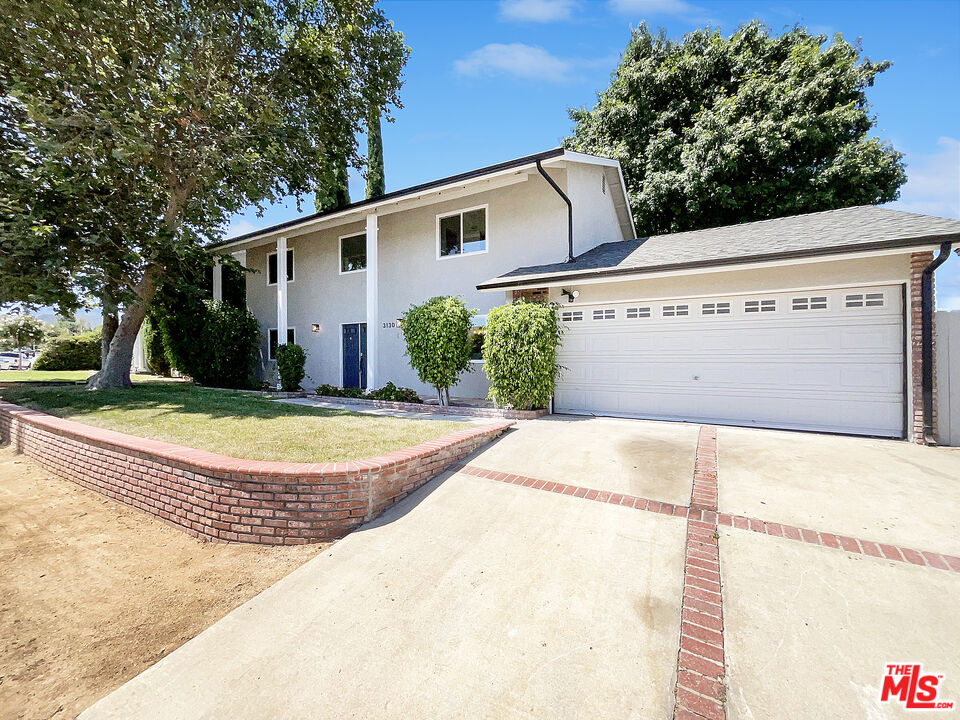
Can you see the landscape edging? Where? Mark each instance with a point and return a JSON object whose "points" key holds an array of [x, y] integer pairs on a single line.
{"points": [[491, 412], [218, 497]]}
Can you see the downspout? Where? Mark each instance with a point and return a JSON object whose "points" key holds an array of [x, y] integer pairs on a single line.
{"points": [[569, 210], [926, 340]]}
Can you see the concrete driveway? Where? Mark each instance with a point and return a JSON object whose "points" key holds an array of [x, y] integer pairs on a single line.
{"points": [[606, 568]]}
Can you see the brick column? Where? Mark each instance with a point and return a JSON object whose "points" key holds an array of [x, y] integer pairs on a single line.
{"points": [[918, 261]]}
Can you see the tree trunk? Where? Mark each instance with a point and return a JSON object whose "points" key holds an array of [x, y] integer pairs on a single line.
{"points": [[115, 371], [110, 323]]}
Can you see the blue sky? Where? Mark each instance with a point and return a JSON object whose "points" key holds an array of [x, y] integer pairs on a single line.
{"points": [[488, 81]]}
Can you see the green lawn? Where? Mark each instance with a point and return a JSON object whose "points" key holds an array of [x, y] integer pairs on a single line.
{"points": [[44, 375], [235, 423]]}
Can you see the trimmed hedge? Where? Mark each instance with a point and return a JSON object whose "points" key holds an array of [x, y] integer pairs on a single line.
{"points": [[520, 354], [77, 352], [291, 359]]}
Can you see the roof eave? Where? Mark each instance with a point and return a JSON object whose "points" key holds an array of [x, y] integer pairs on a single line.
{"points": [[504, 283]]}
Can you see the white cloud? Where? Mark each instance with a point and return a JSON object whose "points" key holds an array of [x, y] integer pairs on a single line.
{"points": [[655, 7], [542, 11], [523, 61], [239, 227], [933, 181]]}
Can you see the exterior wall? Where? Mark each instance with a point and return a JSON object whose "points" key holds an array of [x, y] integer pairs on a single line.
{"points": [[526, 225], [594, 216], [222, 498]]}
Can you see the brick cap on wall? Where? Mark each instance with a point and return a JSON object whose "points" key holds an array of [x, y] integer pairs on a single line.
{"points": [[212, 462]]}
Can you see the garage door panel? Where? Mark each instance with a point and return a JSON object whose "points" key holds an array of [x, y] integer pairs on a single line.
{"points": [[840, 370]]}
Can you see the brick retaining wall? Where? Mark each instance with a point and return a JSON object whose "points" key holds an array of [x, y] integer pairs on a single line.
{"points": [[223, 498]]}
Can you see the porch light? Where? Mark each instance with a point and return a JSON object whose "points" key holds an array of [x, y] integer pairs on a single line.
{"points": [[315, 327], [571, 295]]}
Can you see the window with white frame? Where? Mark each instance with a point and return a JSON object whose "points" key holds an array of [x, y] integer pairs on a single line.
{"points": [[353, 253], [675, 310], [571, 315], [715, 308], [635, 313], [753, 306], [272, 346], [462, 233], [871, 299], [272, 267], [605, 314], [814, 302]]}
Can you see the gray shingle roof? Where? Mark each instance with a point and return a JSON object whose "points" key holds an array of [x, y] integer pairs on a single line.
{"points": [[853, 229]]}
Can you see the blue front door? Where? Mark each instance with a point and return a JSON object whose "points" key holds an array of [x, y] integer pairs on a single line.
{"points": [[355, 355]]}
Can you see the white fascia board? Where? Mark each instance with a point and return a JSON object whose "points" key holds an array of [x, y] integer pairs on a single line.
{"points": [[571, 279]]}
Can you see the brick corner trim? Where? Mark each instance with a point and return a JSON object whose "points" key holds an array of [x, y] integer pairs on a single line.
{"points": [[217, 497]]}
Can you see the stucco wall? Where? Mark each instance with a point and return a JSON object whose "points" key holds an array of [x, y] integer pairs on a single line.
{"points": [[526, 225]]}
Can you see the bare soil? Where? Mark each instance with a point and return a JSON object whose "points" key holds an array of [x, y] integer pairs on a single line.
{"points": [[93, 592]]}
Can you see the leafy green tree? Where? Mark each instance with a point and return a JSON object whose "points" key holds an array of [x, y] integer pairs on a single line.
{"points": [[132, 131], [335, 191], [713, 130], [520, 354], [376, 182], [75, 352], [20, 331], [437, 334]]}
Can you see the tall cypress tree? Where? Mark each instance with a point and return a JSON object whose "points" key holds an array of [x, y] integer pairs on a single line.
{"points": [[335, 193], [375, 178]]}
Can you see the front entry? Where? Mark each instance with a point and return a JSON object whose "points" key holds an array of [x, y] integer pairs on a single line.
{"points": [[355, 355]]}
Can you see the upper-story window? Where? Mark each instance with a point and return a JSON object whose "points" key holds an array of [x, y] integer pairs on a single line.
{"points": [[272, 267], [462, 232], [353, 253]]}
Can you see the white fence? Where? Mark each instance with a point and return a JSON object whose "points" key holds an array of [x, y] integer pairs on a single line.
{"points": [[948, 377]]}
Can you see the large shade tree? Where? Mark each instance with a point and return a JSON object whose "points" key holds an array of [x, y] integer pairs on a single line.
{"points": [[131, 131], [713, 130]]}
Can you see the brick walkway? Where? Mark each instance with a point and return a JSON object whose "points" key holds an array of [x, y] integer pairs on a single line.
{"points": [[700, 691]]}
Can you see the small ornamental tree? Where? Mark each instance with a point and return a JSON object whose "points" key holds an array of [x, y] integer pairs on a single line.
{"points": [[438, 342], [520, 354], [20, 331], [291, 359]]}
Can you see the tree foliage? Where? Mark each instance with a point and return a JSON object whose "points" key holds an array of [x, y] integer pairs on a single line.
{"points": [[291, 360], [130, 132], [713, 130], [20, 331], [437, 336], [376, 182], [520, 354]]}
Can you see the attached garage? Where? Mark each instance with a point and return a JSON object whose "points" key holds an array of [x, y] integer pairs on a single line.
{"points": [[818, 359], [821, 321]]}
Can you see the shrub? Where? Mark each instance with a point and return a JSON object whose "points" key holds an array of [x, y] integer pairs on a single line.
{"points": [[212, 342], [79, 352], [437, 334], [291, 359], [520, 354], [395, 394], [388, 392], [157, 361]]}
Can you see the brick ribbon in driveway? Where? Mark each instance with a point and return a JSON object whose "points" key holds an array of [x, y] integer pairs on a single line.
{"points": [[700, 690]]}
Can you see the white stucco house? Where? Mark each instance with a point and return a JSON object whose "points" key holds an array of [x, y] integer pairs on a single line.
{"points": [[820, 322]]}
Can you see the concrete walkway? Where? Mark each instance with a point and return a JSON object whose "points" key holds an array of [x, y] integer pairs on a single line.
{"points": [[606, 568]]}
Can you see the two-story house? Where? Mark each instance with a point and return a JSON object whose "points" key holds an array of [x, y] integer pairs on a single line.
{"points": [[820, 321]]}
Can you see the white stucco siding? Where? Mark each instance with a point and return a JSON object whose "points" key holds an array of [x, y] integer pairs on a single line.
{"points": [[594, 216], [526, 225]]}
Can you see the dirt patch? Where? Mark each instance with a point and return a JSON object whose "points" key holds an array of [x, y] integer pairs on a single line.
{"points": [[94, 592]]}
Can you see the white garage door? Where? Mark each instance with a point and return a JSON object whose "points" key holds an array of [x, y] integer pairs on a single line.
{"points": [[819, 360]]}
